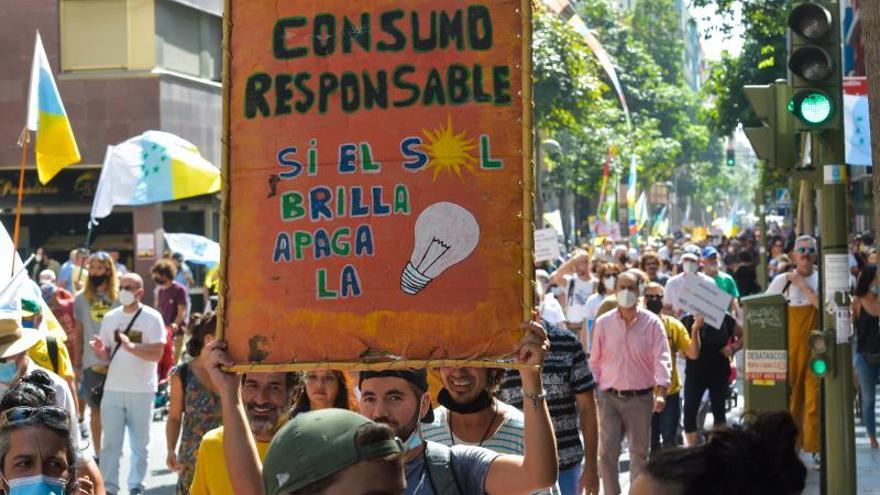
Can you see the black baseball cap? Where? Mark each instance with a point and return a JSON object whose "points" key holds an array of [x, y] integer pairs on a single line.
{"points": [[417, 377]]}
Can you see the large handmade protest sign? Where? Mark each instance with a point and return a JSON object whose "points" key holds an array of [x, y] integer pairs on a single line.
{"points": [[377, 194]]}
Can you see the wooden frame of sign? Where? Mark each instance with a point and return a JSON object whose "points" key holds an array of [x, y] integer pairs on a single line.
{"points": [[377, 183]]}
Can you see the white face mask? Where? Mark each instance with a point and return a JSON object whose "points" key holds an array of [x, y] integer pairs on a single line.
{"points": [[626, 298], [126, 297], [690, 267], [609, 283]]}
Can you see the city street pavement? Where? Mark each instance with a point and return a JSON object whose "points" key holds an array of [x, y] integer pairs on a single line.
{"points": [[161, 481]]}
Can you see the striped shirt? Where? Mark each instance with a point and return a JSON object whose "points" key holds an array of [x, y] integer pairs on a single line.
{"points": [[509, 438], [631, 356], [564, 375]]}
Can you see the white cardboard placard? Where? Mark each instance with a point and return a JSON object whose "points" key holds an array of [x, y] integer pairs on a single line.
{"points": [[701, 296]]}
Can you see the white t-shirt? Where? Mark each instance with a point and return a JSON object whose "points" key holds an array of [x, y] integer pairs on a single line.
{"points": [[129, 373], [794, 294], [581, 290], [673, 290], [551, 310]]}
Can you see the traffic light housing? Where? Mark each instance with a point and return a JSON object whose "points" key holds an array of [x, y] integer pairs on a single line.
{"points": [[815, 64], [822, 349], [775, 141], [731, 157]]}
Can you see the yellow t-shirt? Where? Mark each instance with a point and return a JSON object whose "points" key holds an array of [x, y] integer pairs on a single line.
{"points": [[211, 476], [679, 341], [40, 354]]}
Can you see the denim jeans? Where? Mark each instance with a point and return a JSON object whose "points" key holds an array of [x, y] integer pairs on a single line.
{"points": [[665, 424], [569, 480], [121, 411], [869, 375]]}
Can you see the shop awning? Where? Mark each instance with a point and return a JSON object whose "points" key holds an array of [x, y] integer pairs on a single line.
{"points": [[66, 242]]}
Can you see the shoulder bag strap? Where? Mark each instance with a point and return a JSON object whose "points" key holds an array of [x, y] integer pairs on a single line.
{"points": [[127, 329], [441, 474]]}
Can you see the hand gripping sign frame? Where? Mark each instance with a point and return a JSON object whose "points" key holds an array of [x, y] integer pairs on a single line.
{"points": [[254, 347]]}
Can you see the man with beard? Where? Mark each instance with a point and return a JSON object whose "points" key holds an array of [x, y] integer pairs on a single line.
{"points": [[266, 398], [400, 399]]}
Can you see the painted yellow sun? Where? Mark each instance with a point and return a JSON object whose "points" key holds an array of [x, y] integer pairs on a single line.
{"points": [[449, 152]]}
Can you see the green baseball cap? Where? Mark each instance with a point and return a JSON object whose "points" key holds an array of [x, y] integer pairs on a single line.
{"points": [[316, 445]]}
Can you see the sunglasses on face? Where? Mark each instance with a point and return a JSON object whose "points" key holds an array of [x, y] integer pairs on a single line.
{"points": [[805, 250], [50, 415]]}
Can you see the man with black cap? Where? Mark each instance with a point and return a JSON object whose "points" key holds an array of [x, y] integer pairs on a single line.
{"points": [[399, 399]]}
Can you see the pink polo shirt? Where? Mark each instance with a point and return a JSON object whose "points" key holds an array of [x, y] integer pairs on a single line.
{"points": [[630, 357]]}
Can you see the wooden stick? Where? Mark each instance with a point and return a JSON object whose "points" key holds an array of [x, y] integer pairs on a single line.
{"points": [[23, 142], [391, 365]]}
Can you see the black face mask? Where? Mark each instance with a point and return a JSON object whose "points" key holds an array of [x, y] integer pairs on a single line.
{"points": [[97, 280], [654, 304], [483, 401]]}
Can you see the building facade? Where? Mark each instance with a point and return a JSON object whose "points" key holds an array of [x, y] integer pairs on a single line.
{"points": [[122, 67]]}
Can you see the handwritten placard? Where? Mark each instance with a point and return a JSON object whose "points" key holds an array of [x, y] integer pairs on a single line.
{"points": [[700, 296], [378, 187], [546, 245]]}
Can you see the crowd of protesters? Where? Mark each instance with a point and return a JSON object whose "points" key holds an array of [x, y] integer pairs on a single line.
{"points": [[619, 362]]}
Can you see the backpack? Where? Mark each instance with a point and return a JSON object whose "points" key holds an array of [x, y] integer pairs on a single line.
{"points": [[441, 473]]}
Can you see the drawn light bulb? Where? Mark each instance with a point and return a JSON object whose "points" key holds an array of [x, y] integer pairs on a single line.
{"points": [[445, 234]]}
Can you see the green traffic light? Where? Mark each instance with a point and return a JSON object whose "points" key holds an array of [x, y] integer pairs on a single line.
{"points": [[812, 107], [819, 366]]}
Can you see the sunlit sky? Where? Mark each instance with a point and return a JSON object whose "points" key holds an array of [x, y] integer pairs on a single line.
{"points": [[717, 42]]}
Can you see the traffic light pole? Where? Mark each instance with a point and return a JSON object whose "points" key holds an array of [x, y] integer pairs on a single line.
{"points": [[760, 200], [838, 421]]}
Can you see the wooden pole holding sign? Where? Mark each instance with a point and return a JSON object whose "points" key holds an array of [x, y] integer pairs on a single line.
{"points": [[377, 183]]}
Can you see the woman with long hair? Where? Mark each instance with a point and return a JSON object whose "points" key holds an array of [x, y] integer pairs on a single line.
{"points": [[324, 389], [866, 320], [99, 296], [195, 405]]}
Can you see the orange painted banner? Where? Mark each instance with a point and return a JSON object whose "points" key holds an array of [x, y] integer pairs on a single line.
{"points": [[377, 194]]}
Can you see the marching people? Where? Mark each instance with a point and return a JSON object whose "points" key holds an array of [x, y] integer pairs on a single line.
{"points": [[572, 404], [650, 264], [399, 399], [36, 390], [131, 341], [665, 424], [758, 459], [265, 399], [801, 288], [724, 281], [172, 303], [607, 274], [866, 320], [709, 370], [324, 389], [690, 263], [90, 306], [15, 363], [631, 363], [577, 285], [194, 406]]}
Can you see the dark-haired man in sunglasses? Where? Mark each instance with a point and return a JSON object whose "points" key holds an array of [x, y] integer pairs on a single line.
{"points": [[801, 288]]}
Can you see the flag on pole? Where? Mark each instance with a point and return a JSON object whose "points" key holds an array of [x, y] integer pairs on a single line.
{"points": [[641, 211], [151, 168], [56, 148], [631, 195], [661, 224], [194, 248]]}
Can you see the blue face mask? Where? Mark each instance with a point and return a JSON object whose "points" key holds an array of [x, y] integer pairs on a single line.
{"points": [[8, 372], [36, 485], [875, 289], [413, 442]]}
